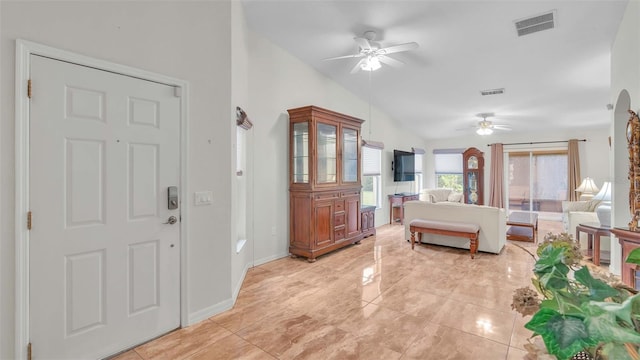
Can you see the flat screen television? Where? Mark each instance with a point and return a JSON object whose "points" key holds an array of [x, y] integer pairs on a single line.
{"points": [[404, 166]]}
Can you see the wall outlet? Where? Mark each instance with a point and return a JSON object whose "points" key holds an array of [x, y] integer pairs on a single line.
{"points": [[202, 198], [273, 230]]}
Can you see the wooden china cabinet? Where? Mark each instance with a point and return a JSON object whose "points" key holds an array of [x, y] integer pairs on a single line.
{"points": [[473, 176], [324, 181]]}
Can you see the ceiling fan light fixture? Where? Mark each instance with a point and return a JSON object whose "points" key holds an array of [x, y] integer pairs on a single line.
{"points": [[371, 64], [484, 131]]}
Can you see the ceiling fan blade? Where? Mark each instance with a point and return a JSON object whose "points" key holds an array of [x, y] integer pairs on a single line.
{"points": [[502, 127], [344, 57], [363, 43], [398, 48], [358, 66], [390, 61]]}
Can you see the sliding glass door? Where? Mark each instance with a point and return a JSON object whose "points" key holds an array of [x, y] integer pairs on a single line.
{"points": [[537, 180]]}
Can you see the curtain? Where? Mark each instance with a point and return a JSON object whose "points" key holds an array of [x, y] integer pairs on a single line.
{"points": [[573, 159], [496, 177]]}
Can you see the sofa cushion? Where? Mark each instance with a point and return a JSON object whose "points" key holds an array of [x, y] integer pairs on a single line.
{"points": [[454, 197]]}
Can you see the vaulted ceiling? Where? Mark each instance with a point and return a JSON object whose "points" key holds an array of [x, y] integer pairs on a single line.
{"points": [[553, 79]]}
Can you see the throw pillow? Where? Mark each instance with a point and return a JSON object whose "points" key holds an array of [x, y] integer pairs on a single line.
{"points": [[454, 197]]}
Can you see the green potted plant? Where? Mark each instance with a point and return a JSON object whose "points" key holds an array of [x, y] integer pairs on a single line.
{"points": [[576, 314]]}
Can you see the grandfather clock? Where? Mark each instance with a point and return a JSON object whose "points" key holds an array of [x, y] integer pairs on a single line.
{"points": [[473, 176]]}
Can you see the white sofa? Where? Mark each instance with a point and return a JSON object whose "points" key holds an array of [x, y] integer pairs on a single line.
{"points": [[440, 195], [492, 221]]}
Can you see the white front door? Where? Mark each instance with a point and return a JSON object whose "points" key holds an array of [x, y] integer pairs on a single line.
{"points": [[104, 267]]}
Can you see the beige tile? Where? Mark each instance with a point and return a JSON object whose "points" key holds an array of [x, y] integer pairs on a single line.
{"points": [[411, 301], [439, 342], [378, 325], [490, 324], [516, 354], [520, 334], [231, 347], [184, 342], [245, 315]]}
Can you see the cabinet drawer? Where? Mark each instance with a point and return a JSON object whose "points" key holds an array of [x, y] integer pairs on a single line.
{"points": [[413, 197], [339, 234], [339, 205], [339, 220], [327, 196], [350, 193]]}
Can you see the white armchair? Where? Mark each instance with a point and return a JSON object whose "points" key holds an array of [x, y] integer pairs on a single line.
{"points": [[579, 212], [440, 195]]}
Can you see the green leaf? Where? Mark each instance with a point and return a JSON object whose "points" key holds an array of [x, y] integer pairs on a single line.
{"points": [[549, 257], [621, 311], [604, 328], [615, 351], [563, 336], [634, 256], [598, 289], [555, 277]]}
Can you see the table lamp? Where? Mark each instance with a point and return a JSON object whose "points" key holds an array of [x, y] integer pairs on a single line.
{"points": [[604, 209], [587, 188]]}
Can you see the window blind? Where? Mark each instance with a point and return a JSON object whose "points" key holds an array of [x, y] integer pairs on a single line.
{"points": [[371, 164], [448, 163]]}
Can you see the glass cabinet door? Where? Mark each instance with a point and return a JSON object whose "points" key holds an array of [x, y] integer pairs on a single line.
{"points": [[300, 152], [327, 152], [349, 155]]}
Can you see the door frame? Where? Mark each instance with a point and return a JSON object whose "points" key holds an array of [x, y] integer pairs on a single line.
{"points": [[24, 50]]}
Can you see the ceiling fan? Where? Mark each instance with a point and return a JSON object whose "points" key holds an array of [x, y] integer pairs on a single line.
{"points": [[486, 127], [373, 54]]}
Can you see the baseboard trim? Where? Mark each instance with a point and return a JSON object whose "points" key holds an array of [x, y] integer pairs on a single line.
{"points": [[209, 311], [269, 258]]}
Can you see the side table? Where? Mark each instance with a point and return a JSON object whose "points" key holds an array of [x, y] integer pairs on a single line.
{"points": [[396, 206], [594, 231]]}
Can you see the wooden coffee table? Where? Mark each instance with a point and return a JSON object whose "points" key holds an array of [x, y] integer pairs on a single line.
{"points": [[524, 226]]}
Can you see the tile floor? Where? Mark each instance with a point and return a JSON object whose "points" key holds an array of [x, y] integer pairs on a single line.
{"points": [[376, 300]]}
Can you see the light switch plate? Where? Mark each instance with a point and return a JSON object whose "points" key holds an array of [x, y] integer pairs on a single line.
{"points": [[203, 198]]}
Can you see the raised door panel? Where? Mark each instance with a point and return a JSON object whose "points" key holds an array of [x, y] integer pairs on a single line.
{"points": [[324, 227], [352, 221], [301, 221]]}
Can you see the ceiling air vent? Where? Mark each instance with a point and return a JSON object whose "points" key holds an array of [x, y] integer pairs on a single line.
{"points": [[492, 92], [537, 23]]}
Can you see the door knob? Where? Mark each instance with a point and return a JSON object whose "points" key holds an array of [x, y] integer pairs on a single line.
{"points": [[171, 220]]}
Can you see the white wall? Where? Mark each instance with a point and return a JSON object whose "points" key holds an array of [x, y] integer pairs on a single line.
{"points": [[185, 40], [594, 153], [625, 75]]}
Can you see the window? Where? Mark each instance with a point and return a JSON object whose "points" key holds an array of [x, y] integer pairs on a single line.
{"points": [[537, 180], [371, 171], [419, 178], [448, 168]]}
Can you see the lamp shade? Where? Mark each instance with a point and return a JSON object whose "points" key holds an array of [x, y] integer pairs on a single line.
{"points": [[605, 192], [588, 186]]}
